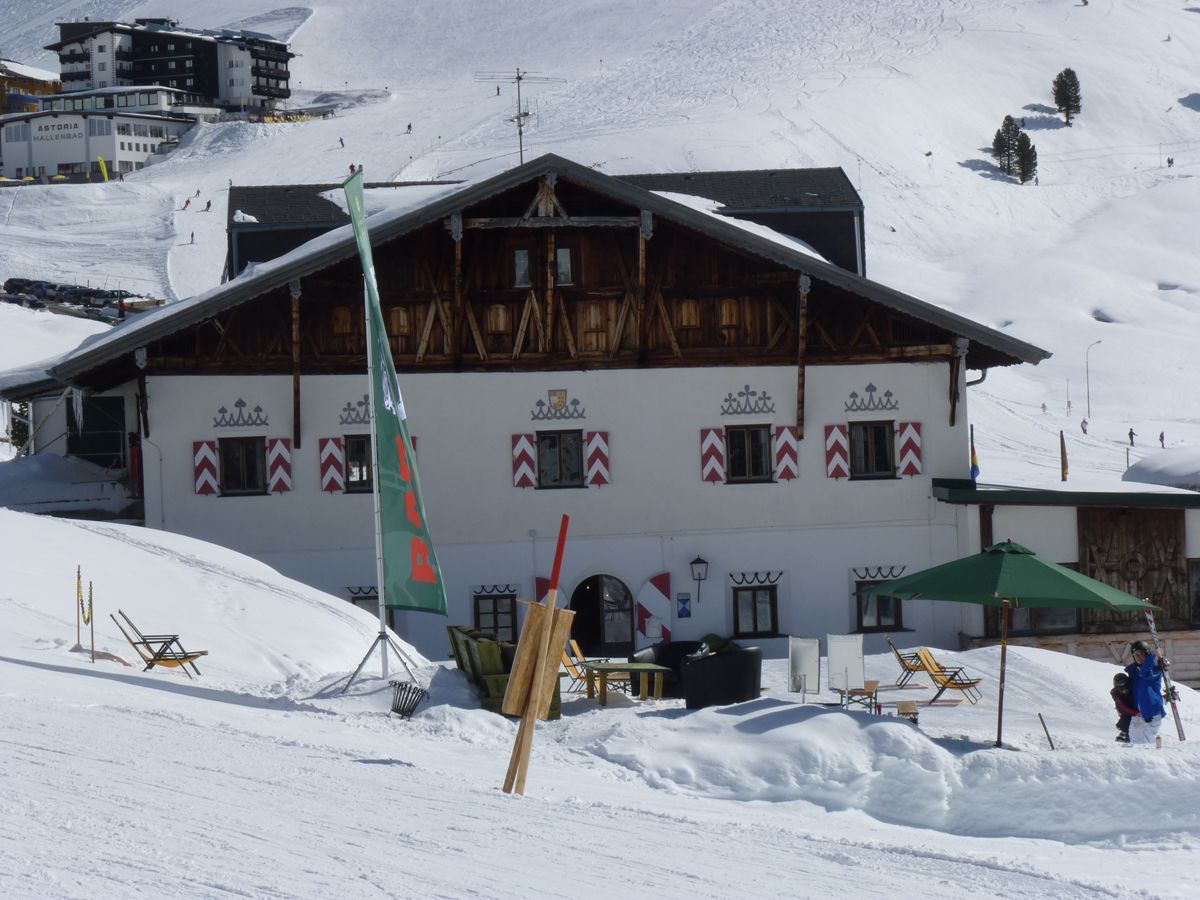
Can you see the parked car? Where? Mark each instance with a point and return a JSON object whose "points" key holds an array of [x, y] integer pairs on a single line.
{"points": [[17, 285]]}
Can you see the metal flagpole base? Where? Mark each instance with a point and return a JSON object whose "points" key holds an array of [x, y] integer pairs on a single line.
{"points": [[382, 638]]}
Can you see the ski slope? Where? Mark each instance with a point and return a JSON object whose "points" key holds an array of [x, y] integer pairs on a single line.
{"points": [[258, 779]]}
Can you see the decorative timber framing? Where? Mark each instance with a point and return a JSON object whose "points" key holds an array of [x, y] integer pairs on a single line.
{"points": [[707, 293]]}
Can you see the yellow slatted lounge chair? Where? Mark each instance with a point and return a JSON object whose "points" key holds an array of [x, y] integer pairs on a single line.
{"points": [[910, 663], [159, 649], [951, 679]]}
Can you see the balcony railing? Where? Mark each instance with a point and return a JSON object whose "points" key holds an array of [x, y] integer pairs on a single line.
{"points": [[262, 90], [85, 75], [126, 55], [269, 54], [268, 72], [75, 56]]}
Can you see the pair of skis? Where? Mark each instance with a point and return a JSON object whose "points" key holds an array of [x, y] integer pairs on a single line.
{"points": [[1168, 688]]}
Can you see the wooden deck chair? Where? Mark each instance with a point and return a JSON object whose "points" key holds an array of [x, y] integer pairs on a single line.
{"points": [[910, 663], [159, 649], [575, 673], [952, 678], [573, 663]]}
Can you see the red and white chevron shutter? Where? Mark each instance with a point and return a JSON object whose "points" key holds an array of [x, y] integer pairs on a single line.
{"points": [[908, 447], [595, 453], [837, 451], [524, 461], [712, 455], [279, 465], [332, 452], [204, 467], [787, 453]]}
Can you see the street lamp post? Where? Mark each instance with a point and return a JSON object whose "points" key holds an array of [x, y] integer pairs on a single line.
{"points": [[1087, 375]]}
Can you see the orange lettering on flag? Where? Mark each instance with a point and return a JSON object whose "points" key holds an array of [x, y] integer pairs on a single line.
{"points": [[421, 569], [403, 458], [410, 507]]}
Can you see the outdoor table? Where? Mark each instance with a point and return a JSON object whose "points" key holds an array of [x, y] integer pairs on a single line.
{"points": [[867, 695], [604, 669]]}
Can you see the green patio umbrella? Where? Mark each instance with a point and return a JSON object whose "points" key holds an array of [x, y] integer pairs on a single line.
{"points": [[1009, 576]]}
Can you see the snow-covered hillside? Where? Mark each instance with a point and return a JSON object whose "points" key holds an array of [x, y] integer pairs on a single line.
{"points": [[904, 95], [257, 779]]}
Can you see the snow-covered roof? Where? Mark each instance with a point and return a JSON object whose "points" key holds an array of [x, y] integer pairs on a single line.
{"points": [[713, 208], [21, 70], [1178, 468]]}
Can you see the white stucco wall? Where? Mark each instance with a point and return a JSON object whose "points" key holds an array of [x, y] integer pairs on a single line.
{"points": [[654, 516], [1049, 531]]}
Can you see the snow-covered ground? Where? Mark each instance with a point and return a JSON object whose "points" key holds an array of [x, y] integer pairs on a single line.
{"points": [[258, 779]]}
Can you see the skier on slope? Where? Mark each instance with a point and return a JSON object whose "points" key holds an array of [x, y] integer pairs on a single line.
{"points": [[1145, 679]]}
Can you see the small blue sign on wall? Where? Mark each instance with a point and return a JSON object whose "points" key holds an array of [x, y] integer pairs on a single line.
{"points": [[684, 606]]}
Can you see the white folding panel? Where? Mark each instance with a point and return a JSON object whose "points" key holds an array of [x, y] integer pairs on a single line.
{"points": [[804, 665], [845, 654]]}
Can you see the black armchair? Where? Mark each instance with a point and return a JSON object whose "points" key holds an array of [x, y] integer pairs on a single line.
{"points": [[722, 678], [673, 655]]}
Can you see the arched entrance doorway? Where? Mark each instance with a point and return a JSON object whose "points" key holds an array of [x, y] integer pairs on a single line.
{"points": [[603, 616]]}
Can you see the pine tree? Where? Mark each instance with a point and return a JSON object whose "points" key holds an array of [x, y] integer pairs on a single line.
{"points": [[1004, 145], [1068, 96], [19, 433], [1026, 158]]}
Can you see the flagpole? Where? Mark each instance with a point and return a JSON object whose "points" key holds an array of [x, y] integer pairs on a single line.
{"points": [[372, 363]]}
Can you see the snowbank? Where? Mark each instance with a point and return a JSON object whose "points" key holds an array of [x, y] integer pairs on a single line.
{"points": [[261, 630]]}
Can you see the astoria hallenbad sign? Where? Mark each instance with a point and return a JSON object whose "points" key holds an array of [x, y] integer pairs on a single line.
{"points": [[57, 131]]}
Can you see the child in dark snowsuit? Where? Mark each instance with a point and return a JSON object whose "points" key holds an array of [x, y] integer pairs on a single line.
{"points": [[1122, 694]]}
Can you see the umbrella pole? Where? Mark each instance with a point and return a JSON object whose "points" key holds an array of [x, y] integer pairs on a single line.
{"points": [[1003, 662]]}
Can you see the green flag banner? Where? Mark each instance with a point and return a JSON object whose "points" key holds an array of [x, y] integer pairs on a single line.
{"points": [[412, 578]]}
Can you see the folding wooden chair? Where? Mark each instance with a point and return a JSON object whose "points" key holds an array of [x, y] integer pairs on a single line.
{"points": [[949, 679], [910, 663], [159, 649], [573, 663]]}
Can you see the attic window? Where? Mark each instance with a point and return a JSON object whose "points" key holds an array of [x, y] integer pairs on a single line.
{"points": [[521, 268], [341, 320], [497, 319], [688, 314], [401, 320]]}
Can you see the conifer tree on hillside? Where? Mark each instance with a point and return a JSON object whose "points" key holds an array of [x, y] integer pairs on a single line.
{"points": [[1026, 158], [1067, 94], [1004, 145]]}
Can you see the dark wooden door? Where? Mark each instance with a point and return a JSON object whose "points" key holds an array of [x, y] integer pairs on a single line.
{"points": [[603, 617], [1141, 551]]}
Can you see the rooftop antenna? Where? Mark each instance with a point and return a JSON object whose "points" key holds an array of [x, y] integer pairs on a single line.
{"points": [[522, 113]]}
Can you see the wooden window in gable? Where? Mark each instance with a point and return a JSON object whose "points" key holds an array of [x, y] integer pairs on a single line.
{"points": [[594, 336], [342, 330], [729, 322], [521, 268], [400, 328], [687, 323], [498, 327]]}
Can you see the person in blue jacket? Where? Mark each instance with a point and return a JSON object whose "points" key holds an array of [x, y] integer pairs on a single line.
{"points": [[1145, 677]]}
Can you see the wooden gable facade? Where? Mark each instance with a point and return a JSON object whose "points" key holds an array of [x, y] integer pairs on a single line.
{"points": [[562, 268]]}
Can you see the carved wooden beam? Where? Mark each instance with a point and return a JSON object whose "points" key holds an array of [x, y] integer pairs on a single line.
{"points": [[550, 222], [532, 310], [479, 344], [551, 271], [226, 338], [566, 327], [661, 306], [804, 285], [294, 289]]}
